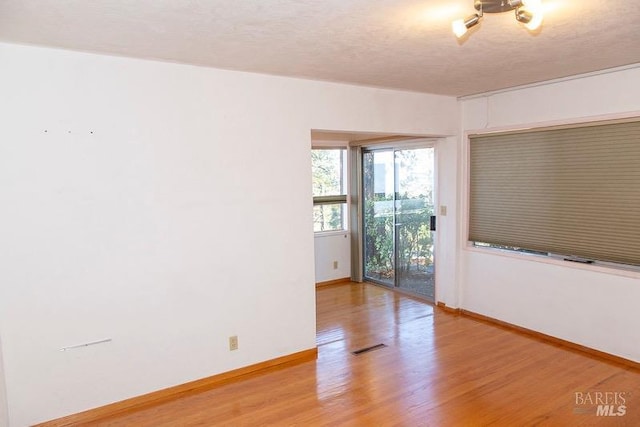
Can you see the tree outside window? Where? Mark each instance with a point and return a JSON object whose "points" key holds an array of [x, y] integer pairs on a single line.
{"points": [[329, 189]]}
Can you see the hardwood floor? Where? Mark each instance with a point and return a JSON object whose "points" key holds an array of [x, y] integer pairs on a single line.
{"points": [[437, 369]]}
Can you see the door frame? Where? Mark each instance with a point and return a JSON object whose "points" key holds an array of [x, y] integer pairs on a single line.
{"points": [[356, 150]]}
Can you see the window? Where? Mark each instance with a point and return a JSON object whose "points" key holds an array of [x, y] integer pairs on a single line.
{"points": [[329, 188], [568, 192]]}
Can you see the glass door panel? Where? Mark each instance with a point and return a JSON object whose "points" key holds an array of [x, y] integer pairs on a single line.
{"points": [[397, 208], [378, 211], [414, 259]]}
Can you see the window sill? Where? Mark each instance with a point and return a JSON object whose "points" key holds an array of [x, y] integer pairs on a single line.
{"points": [[545, 259], [332, 233]]}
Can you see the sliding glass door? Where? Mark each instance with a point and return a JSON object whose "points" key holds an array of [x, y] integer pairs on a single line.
{"points": [[398, 243], [378, 211]]}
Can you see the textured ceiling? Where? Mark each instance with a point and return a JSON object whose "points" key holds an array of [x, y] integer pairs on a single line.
{"points": [[404, 44]]}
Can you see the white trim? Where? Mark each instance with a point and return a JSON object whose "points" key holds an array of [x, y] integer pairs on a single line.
{"points": [[545, 259], [437, 253], [329, 233], [550, 82], [578, 122], [319, 144], [424, 142]]}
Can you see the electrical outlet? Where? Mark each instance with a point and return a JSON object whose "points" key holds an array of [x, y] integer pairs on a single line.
{"points": [[233, 343], [335, 265]]}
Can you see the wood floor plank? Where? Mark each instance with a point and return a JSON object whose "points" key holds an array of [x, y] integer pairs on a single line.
{"points": [[436, 369]]}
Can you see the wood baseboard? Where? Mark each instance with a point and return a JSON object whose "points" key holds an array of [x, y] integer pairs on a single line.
{"points": [[181, 390], [444, 307], [540, 336], [553, 340], [333, 282]]}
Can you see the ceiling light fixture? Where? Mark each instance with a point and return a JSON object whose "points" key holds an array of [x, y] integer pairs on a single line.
{"points": [[528, 12]]}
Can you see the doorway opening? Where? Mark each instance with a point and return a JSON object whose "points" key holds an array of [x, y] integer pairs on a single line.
{"points": [[388, 223]]}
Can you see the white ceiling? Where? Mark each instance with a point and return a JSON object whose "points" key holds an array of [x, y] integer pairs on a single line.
{"points": [[404, 44]]}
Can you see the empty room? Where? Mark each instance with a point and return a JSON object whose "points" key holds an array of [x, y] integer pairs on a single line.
{"points": [[319, 213]]}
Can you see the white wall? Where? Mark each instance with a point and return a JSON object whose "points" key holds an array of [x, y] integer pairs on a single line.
{"points": [[165, 207], [581, 304], [4, 415], [328, 248]]}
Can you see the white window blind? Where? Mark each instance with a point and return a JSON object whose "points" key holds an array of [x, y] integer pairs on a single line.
{"points": [[568, 191]]}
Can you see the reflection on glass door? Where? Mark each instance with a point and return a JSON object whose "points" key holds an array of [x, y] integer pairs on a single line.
{"points": [[397, 209], [413, 210], [378, 192]]}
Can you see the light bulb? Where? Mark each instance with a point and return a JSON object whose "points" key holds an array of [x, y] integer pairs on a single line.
{"points": [[530, 14], [536, 21], [459, 28]]}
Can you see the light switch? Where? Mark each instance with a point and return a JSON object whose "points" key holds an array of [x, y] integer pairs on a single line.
{"points": [[443, 210]]}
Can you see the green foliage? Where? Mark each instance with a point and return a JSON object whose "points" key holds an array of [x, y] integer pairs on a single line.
{"points": [[378, 240], [327, 171], [413, 208], [328, 217], [326, 167]]}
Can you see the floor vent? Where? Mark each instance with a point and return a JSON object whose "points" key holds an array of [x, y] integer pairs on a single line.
{"points": [[367, 349]]}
